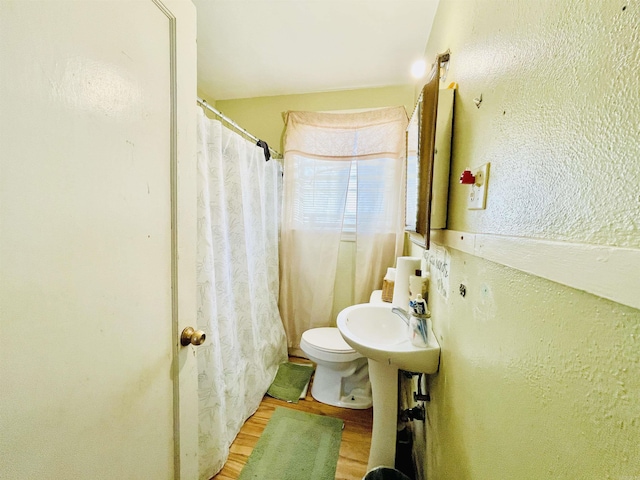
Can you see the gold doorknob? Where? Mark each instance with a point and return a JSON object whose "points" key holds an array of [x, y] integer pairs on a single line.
{"points": [[192, 336]]}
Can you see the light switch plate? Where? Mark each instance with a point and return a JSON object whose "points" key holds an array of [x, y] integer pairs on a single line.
{"points": [[478, 192]]}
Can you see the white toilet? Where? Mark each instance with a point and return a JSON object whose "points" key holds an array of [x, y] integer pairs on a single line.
{"points": [[342, 374]]}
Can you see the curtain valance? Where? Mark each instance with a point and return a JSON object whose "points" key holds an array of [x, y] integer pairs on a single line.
{"points": [[373, 133]]}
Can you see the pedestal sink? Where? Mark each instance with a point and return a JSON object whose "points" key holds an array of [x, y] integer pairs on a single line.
{"points": [[383, 337]]}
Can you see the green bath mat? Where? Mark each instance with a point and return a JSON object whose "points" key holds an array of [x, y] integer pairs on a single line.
{"points": [[295, 446], [290, 381]]}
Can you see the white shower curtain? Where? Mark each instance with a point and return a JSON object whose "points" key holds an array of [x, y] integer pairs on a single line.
{"points": [[238, 217]]}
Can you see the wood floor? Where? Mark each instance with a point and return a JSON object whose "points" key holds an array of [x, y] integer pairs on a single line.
{"points": [[354, 449]]}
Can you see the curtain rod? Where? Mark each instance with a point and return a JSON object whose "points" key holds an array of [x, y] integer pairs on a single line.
{"points": [[274, 153]]}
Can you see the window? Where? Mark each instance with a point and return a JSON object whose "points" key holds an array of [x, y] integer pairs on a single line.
{"points": [[342, 180], [345, 195]]}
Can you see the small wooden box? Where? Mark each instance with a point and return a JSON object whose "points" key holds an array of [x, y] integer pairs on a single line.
{"points": [[387, 290]]}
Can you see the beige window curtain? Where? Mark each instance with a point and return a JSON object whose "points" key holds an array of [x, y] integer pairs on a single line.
{"points": [[343, 181]]}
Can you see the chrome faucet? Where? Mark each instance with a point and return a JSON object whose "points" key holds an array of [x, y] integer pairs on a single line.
{"points": [[403, 314]]}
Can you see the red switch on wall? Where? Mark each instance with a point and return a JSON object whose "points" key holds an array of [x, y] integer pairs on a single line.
{"points": [[467, 178], [477, 180]]}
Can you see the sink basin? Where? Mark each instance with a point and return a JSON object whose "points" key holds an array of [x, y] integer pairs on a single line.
{"points": [[381, 335]]}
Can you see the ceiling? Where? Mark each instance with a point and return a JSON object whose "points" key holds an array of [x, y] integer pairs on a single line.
{"points": [[252, 48]]}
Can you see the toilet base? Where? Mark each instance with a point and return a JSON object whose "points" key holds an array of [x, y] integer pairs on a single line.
{"points": [[331, 387]]}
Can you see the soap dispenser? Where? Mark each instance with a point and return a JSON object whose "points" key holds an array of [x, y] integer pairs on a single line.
{"points": [[418, 284]]}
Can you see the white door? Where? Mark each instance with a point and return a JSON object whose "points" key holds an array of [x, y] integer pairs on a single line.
{"points": [[97, 142]]}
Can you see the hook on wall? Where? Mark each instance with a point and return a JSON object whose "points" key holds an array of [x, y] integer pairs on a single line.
{"points": [[443, 63]]}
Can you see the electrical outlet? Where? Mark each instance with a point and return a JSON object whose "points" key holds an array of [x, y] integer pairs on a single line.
{"points": [[478, 193]]}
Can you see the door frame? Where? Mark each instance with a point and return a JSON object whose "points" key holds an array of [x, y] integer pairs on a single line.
{"points": [[183, 63]]}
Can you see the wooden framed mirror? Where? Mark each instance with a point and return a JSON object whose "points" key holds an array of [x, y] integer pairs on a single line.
{"points": [[428, 159], [411, 187]]}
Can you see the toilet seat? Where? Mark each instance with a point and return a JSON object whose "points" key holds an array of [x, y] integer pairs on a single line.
{"points": [[326, 343]]}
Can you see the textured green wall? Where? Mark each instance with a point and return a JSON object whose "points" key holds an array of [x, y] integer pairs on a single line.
{"points": [[538, 380], [263, 116], [559, 119]]}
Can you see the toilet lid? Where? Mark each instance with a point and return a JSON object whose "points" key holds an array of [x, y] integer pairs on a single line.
{"points": [[327, 339]]}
